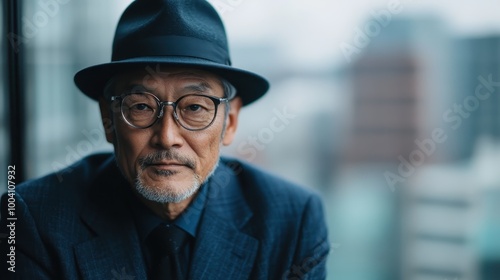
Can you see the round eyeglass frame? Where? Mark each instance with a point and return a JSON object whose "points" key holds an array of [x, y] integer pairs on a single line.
{"points": [[161, 107]]}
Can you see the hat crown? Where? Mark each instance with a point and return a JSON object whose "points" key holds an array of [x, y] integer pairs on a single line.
{"points": [[172, 33], [166, 27]]}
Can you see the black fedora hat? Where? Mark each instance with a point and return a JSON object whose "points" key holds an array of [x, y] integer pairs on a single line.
{"points": [[184, 33]]}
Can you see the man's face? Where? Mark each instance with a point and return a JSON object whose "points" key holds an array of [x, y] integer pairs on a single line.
{"points": [[166, 162]]}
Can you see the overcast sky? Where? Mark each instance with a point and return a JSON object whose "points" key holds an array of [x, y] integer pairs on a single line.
{"points": [[313, 30]]}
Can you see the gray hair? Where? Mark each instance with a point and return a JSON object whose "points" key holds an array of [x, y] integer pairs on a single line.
{"points": [[229, 89]]}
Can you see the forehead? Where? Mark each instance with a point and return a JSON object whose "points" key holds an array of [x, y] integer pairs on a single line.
{"points": [[157, 79]]}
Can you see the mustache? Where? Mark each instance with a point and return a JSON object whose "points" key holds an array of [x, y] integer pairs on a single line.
{"points": [[170, 155]]}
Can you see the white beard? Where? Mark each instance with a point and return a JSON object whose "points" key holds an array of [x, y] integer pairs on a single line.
{"points": [[169, 195]]}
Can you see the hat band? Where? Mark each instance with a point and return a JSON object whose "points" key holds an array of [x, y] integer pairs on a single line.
{"points": [[171, 46]]}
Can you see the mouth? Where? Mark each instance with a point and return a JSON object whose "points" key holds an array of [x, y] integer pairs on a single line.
{"points": [[167, 165]]}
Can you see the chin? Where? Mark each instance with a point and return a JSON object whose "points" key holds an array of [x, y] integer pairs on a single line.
{"points": [[166, 193]]}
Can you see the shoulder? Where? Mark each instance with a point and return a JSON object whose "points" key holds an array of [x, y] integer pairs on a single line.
{"points": [[79, 172], [270, 193], [264, 182], [287, 220], [65, 186]]}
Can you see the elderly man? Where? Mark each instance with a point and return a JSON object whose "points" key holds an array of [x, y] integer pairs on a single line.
{"points": [[164, 205]]}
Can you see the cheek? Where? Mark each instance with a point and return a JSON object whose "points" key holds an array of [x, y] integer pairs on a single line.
{"points": [[128, 147], [207, 147]]}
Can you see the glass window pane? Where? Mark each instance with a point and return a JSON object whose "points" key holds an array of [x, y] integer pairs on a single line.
{"points": [[63, 37]]}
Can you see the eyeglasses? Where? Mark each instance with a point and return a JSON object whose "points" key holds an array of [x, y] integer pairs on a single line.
{"points": [[193, 112]]}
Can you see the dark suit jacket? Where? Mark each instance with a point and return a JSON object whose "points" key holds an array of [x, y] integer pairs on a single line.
{"points": [[76, 225]]}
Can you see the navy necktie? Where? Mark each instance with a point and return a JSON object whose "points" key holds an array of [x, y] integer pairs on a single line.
{"points": [[165, 243]]}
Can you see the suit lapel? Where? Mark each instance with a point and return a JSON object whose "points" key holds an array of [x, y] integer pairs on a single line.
{"points": [[222, 249], [114, 252]]}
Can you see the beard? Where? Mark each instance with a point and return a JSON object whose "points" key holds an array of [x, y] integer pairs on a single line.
{"points": [[168, 192]]}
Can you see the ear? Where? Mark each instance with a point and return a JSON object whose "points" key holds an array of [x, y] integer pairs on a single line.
{"points": [[232, 121], [107, 119]]}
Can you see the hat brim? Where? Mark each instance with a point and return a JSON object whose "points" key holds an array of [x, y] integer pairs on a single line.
{"points": [[249, 86]]}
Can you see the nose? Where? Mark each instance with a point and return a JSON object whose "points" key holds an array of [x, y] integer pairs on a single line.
{"points": [[167, 131]]}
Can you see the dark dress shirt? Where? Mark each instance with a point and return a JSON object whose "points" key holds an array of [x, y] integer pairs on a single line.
{"points": [[146, 221]]}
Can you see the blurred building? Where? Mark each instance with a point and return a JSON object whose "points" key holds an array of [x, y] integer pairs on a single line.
{"points": [[403, 91], [476, 60], [385, 103], [409, 84], [477, 84], [451, 219], [398, 87]]}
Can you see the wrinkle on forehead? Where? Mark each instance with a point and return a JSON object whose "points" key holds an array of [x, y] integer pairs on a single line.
{"points": [[141, 80], [149, 73], [191, 88]]}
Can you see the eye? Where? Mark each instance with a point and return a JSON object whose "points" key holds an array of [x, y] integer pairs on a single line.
{"points": [[193, 107], [140, 107]]}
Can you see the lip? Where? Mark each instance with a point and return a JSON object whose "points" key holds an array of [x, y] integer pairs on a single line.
{"points": [[168, 164]]}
